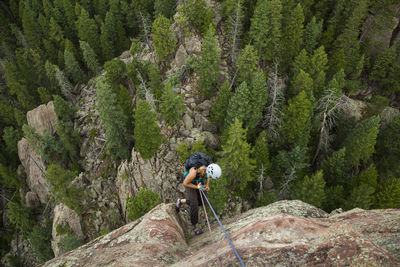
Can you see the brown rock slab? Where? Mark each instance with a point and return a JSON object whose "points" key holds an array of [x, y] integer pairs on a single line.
{"points": [[43, 118], [286, 233], [35, 170]]}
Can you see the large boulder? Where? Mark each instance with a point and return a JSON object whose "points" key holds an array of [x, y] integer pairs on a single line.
{"points": [[159, 174], [35, 170], [43, 118], [64, 218], [180, 58], [286, 233], [378, 29], [156, 239]]}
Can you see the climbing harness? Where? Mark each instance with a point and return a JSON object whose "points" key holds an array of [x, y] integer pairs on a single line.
{"points": [[202, 194]]}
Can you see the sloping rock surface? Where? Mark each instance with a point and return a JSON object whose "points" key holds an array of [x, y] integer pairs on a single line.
{"points": [[286, 233], [43, 118], [35, 170]]}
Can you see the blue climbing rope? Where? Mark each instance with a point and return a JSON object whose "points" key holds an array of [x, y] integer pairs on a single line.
{"points": [[223, 229]]}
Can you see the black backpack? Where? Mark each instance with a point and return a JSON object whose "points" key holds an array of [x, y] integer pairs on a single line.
{"points": [[197, 160]]}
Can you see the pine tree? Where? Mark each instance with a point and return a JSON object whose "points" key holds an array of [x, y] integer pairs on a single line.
{"points": [[334, 168], [114, 121], [235, 159], [101, 7], [125, 102], [360, 144], [31, 28], [258, 102], [70, 138], [109, 37], [69, 12], [296, 125], [239, 104], [90, 58], [259, 26], [301, 62], [247, 64], [165, 8], [56, 34], [368, 176], [147, 132], [11, 137], [63, 109], [172, 106], [267, 29], [88, 31], [164, 41], [310, 189], [388, 195], [54, 73], [196, 13], [302, 81], [208, 68], [386, 69], [292, 35], [360, 197], [312, 35], [72, 68], [155, 82], [261, 154], [119, 9], [348, 39], [388, 149], [62, 188], [115, 73], [220, 106], [318, 67]]}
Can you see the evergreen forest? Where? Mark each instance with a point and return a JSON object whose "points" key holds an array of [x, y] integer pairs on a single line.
{"points": [[308, 109]]}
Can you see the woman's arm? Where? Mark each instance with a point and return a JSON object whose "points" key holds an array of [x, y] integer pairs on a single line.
{"points": [[188, 180]]}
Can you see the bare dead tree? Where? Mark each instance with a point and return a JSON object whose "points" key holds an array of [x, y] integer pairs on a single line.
{"points": [[146, 30], [272, 118], [329, 107], [147, 94], [284, 190], [235, 28]]}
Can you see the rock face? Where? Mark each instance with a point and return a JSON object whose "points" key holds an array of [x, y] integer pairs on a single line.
{"points": [[286, 233], [67, 218], [156, 239], [21, 249], [35, 170], [380, 37], [43, 118]]}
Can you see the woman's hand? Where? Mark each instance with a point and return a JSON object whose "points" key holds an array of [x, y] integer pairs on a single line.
{"points": [[207, 188]]}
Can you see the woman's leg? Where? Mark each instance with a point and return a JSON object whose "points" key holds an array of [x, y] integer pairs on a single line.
{"points": [[192, 201]]}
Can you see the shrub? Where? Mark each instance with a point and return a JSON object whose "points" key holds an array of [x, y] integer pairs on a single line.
{"points": [[40, 240], [70, 242], [144, 201]]}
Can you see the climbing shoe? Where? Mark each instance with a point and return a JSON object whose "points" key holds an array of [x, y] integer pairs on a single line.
{"points": [[178, 205], [198, 231]]}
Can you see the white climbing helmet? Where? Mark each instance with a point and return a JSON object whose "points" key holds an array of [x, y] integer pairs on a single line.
{"points": [[213, 171]]}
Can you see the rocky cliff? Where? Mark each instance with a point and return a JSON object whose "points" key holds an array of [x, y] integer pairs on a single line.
{"points": [[286, 233]]}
